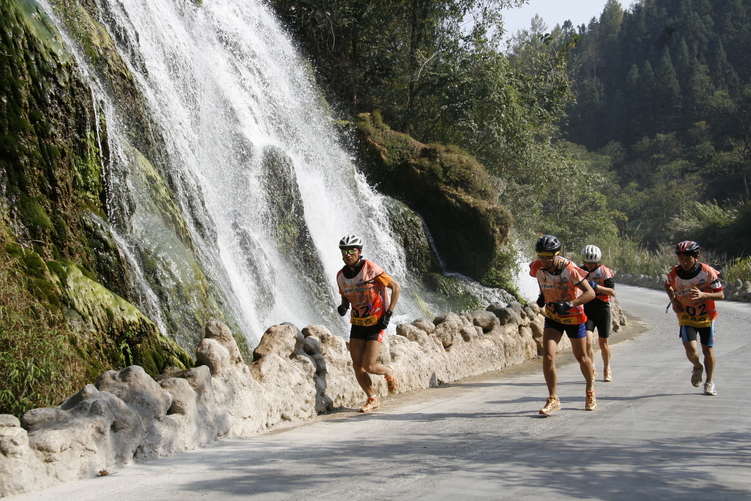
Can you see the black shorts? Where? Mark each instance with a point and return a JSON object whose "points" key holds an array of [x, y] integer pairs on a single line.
{"points": [[366, 333], [598, 318], [705, 334]]}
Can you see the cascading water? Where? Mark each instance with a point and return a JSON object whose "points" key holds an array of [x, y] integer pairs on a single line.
{"points": [[240, 207], [260, 190]]}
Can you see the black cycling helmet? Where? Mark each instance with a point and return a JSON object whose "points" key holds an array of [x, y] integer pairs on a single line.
{"points": [[687, 247], [547, 243]]}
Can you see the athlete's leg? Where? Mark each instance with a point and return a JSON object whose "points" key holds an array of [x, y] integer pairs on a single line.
{"points": [[357, 348], [709, 361], [579, 348], [605, 350], [550, 340], [691, 353], [370, 359], [591, 347]]}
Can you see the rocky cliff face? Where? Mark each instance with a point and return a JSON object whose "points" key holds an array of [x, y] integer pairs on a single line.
{"points": [[454, 194], [54, 223]]}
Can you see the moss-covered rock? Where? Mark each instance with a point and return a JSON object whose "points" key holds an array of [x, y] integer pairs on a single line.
{"points": [[452, 192], [54, 222], [409, 231], [124, 334]]}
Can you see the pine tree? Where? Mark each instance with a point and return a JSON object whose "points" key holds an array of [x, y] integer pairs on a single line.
{"points": [[667, 95]]}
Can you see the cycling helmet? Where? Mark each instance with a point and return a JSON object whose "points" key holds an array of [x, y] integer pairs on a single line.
{"points": [[591, 254], [350, 241], [547, 243], [687, 246]]}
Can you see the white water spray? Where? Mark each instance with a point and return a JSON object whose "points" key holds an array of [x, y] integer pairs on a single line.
{"points": [[229, 94]]}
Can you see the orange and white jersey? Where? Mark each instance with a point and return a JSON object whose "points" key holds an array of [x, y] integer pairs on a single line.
{"points": [[696, 312], [598, 276], [367, 292], [560, 286]]}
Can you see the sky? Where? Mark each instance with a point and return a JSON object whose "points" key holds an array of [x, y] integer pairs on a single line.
{"points": [[553, 12]]}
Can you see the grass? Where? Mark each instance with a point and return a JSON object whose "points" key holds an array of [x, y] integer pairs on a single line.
{"points": [[38, 365]]}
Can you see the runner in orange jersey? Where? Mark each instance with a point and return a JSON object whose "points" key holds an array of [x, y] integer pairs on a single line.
{"points": [[563, 291], [365, 286], [693, 287], [600, 278]]}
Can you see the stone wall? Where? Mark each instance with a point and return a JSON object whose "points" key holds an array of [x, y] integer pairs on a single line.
{"points": [[129, 417]]}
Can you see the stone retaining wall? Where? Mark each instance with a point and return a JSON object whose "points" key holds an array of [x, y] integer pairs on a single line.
{"points": [[129, 417]]}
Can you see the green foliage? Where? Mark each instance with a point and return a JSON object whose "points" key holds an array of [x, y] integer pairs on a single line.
{"points": [[737, 269], [627, 256], [38, 365], [667, 82]]}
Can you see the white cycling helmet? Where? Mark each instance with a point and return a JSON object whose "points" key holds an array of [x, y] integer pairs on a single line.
{"points": [[591, 254], [350, 241]]}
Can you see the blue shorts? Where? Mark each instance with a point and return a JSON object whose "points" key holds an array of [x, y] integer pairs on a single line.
{"points": [[575, 331], [705, 334]]}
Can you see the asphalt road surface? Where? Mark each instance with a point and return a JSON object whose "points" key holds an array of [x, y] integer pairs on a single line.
{"points": [[653, 436]]}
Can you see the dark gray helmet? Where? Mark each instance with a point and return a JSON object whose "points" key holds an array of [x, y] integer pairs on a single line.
{"points": [[688, 247], [547, 243]]}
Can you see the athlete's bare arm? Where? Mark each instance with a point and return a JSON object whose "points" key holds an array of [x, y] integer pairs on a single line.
{"points": [[587, 294], [695, 293], [395, 291]]}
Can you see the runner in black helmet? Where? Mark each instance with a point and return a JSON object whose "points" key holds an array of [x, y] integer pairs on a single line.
{"points": [[693, 287], [365, 286], [563, 291]]}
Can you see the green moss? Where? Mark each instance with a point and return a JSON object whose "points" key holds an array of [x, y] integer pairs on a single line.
{"points": [[129, 337], [33, 214]]}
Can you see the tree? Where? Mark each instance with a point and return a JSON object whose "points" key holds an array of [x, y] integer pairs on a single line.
{"points": [[667, 94]]}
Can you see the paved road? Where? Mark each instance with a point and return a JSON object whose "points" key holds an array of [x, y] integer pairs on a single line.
{"points": [[654, 436]]}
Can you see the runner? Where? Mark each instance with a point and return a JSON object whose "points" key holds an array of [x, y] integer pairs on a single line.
{"points": [[598, 310], [363, 285], [563, 291], [693, 287]]}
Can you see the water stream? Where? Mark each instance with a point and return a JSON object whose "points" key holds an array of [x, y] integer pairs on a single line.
{"points": [[258, 189]]}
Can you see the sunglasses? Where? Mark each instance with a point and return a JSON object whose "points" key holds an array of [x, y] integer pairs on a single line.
{"points": [[543, 255], [688, 254], [349, 252]]}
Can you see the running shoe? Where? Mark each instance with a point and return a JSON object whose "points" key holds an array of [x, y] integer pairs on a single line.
{"points": [[553, 405], [696, 375], [709, 388], [391, 381], [371, 405], [608, 375], [591, 401]]}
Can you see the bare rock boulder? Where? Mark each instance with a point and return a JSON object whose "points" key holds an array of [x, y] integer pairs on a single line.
{"points": [[214, 355], [220, 332]]}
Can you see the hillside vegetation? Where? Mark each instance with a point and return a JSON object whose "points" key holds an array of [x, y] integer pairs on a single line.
{"points": [[631, 132]]}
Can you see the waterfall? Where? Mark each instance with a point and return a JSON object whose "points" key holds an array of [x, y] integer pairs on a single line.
{"points": [[230, 197], [256, 189]]}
